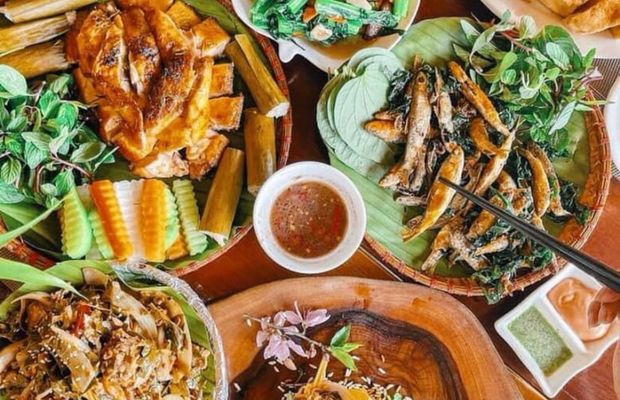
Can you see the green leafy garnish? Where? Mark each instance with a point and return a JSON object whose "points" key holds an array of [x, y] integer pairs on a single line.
{"points": [[45, 147], [541, 77], [341, 349]]}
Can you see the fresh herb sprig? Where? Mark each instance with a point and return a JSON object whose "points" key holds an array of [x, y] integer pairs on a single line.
{"points": [[540, 76], [45, 147], [285, 335]]}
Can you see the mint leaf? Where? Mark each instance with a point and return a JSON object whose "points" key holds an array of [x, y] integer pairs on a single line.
{"points": [[12, 81], [9, 194], [87, 152], [10, 171]]}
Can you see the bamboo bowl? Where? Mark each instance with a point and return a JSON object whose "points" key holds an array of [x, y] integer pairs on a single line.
{"points": [[18, 249], [593, 196]]}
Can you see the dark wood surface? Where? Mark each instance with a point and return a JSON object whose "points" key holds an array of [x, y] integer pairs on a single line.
{"points": [[407, 332], [246, 265]]}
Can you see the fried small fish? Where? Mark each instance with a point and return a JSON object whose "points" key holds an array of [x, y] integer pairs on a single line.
{"points": [[480, 137], [419, 125], [541, 190], [555, 203], [476, 96], [440, 195]]}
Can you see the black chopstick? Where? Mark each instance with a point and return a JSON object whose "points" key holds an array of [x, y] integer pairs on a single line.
{"points": [[603, 273]]}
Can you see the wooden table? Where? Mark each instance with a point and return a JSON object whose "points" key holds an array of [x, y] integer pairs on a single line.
{"points": [[247, 265]]}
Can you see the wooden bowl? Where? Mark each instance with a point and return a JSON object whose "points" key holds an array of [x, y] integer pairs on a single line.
{"points": [[412, 336], [20, 250], [593, 196]]}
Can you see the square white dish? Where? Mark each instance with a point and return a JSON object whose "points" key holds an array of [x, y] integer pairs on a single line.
{"points": [[584, 354], [325, 58]]}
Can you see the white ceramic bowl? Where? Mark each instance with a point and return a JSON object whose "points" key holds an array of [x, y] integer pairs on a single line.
{"points": [[325, 58], [612, 121], [584, 353], [303, 172]]}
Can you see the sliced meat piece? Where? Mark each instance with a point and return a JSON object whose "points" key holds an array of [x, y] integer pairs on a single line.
{"points": [[142, 50], [210, 38], [183, 15], [205, 155], [161, 165], [86, 87], [162, 5], [222, 80], [92, 32], [225, 113], [171, 89]]}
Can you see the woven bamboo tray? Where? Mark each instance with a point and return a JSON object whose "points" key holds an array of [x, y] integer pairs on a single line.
{"points": [[593, 196], [18, 249]]}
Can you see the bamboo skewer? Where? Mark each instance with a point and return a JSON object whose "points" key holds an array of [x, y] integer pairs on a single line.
{"points": [[268, 97], [18, 11]]}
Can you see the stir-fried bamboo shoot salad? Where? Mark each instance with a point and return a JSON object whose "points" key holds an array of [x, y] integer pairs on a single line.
{"points": [[104, 341], [328, 21], [494, 126]]}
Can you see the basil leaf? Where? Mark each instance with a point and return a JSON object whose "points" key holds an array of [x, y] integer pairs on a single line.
{"points": [[345, 358], [38, 139], [563, 117], [64, 182], [33, 155], [12, 81]]}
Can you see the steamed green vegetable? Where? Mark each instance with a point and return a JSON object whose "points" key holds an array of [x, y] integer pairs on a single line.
{"points": [[323, 21]]}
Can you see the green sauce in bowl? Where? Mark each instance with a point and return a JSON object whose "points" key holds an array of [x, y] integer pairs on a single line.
{"points": [[541, 340]]}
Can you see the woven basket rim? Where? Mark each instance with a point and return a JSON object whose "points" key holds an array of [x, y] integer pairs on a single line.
{"points": [[25, 253], [594, 196]]}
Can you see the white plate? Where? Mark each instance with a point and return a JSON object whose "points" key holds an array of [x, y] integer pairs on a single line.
{"points": [[584, 353], [612, 121], [325, 58], [605, 44], [302, 172]]}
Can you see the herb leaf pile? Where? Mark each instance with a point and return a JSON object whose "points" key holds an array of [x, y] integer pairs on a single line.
{"points": [[45, 147], [542, 77]]}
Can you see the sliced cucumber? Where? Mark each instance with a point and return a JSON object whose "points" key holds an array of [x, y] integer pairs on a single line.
{"points": [[188, 214], [103, 245], [75, 226], [172, 220]]}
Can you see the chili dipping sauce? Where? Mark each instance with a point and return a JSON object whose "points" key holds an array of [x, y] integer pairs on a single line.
{"points": [[309, 219]]}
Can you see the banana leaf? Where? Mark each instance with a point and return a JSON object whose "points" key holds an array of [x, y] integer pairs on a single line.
{"points": [[432, 40]]}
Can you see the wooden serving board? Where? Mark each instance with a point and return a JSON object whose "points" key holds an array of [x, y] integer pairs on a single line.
{"points": [[413, 336]]}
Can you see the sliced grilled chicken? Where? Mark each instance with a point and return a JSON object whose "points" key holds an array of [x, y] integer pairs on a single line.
{"points": [[171, 88], [142, 50], [162, 5], [92, 32]]}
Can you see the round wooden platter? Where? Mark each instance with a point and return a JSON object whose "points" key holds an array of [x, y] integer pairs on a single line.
{"points": [[413, 336]]}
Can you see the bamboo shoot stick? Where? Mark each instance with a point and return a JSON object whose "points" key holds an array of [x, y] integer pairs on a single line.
{"points": [[266, 93], [18, 11], [224, 195], [20, 36], [38, 60], [259, 133]]}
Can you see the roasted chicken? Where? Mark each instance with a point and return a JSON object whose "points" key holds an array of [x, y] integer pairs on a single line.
{"points": [[160, 97]]}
